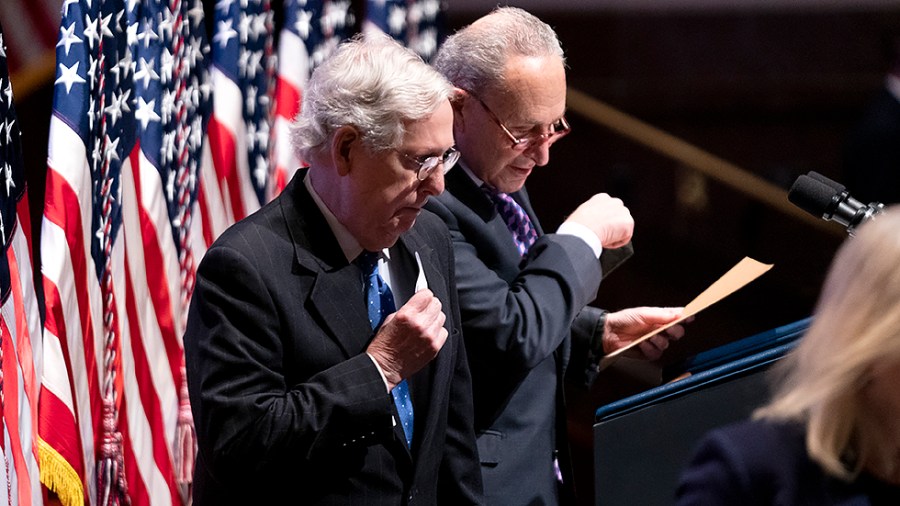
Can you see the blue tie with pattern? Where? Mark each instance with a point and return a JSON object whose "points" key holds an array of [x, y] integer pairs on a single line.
{"points": [[380, 303], [516, 219]]}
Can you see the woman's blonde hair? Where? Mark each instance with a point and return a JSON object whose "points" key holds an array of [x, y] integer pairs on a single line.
{"points": [[856, 327]]}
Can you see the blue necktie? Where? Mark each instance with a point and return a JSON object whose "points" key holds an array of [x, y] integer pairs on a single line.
{"points": [[380, 303], [517, 221]]}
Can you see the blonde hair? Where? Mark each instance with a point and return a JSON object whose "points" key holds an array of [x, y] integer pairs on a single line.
{"points": [[856, 327]]}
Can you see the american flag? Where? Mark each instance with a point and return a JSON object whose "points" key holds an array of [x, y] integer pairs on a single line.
{"points": [[416, 23], [311, 32], [126, 137], [235, 176], [146, 168], [20, 324]]}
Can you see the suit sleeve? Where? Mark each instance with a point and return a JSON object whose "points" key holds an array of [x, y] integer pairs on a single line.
{"points": [[714, 476], [524, 320], [249, 419], [587, 345]]}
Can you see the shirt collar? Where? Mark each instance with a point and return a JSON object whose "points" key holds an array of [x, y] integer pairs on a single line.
{"points": [[478, 181]]}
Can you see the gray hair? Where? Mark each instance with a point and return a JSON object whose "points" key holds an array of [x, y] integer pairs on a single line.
{"points": [[474, 58], [372, 83]]}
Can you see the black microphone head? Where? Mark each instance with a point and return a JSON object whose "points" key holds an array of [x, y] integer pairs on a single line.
{"points": [[838, 187], [814, 196]]}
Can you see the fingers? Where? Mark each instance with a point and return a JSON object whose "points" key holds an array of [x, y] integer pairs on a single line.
{"points": [[650, 350], [673, 333], [420, 300], [608, 218], [630, 324], [410, 338], [660, 315]]}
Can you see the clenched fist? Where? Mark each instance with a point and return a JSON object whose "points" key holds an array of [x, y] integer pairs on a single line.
{"points": [[409, 338], [608, 218]]}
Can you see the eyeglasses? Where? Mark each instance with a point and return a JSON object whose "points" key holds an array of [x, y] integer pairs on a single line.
{"points": [[427, 164], [558, 129]]}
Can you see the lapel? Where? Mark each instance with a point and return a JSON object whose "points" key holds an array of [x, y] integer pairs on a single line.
{"points": [[495, 234], [495, 242], [426, 386], [466, 191], [461, 186], [319, 256]]}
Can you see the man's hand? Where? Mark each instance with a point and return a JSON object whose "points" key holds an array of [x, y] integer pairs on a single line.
{"points": [[607, 217], [623, 327], [409, 338]]}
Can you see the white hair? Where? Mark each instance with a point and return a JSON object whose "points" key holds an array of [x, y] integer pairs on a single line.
{"points": [[475, 57], [372, 83]]}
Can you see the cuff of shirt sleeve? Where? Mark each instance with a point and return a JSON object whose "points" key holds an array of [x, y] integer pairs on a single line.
{"points": [[583, 233], [595, 351], [384, 378]]}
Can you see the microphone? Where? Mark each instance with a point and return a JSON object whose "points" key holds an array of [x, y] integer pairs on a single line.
{"points": [[830, 200]]}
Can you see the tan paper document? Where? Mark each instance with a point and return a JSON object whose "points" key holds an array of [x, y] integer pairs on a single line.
{"points": [[740, 275]]}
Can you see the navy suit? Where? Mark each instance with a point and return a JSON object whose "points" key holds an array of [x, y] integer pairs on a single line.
{"points": [[765, 463], [287, 405], [518, 315]]}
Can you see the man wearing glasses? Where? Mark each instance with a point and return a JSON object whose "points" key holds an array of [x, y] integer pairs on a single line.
{"points": [[323, 348], [524, 294]]}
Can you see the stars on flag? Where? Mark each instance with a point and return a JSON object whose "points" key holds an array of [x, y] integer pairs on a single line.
{"points": [[8, 134], [243, 52], [69, 76], [67, 37]]}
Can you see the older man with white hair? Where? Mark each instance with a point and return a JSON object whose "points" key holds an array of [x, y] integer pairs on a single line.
{"points": [[324, 357]]}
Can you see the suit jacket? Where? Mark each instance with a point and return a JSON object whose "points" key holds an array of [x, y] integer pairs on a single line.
{"points": [[286, 402], [518, 315], [766, 463]]}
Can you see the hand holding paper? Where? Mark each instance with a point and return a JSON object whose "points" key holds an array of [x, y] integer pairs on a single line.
{"points": [[624, 326], [740, 275]]}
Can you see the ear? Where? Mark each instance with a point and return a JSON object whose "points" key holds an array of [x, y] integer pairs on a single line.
{"points": [[342, 144], [458, 102]]}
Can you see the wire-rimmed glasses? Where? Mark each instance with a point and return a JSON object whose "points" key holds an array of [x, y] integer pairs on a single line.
{"points": [[427, 164], [557, 130]]}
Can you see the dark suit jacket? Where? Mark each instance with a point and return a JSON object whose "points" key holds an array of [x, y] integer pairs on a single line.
{"points": [[286, 403], [518, 315], [765, 463]]}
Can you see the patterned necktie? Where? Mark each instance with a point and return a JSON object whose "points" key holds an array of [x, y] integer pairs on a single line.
{"points": [[380, 303], [516, 219]]}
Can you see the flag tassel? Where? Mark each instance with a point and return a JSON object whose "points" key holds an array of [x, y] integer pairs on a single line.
{"points": [[111, 476], [185, 442]]}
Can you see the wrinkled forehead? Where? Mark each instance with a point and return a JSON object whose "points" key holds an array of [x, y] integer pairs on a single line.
{"points": [[533, 91], [433, 133]]}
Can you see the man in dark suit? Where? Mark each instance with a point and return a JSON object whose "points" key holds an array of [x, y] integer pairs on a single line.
{"points": [[300, 393], [523, 293]]}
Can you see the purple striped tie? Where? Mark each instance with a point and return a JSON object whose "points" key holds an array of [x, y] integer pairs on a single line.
{"points": [[516, 219]]}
